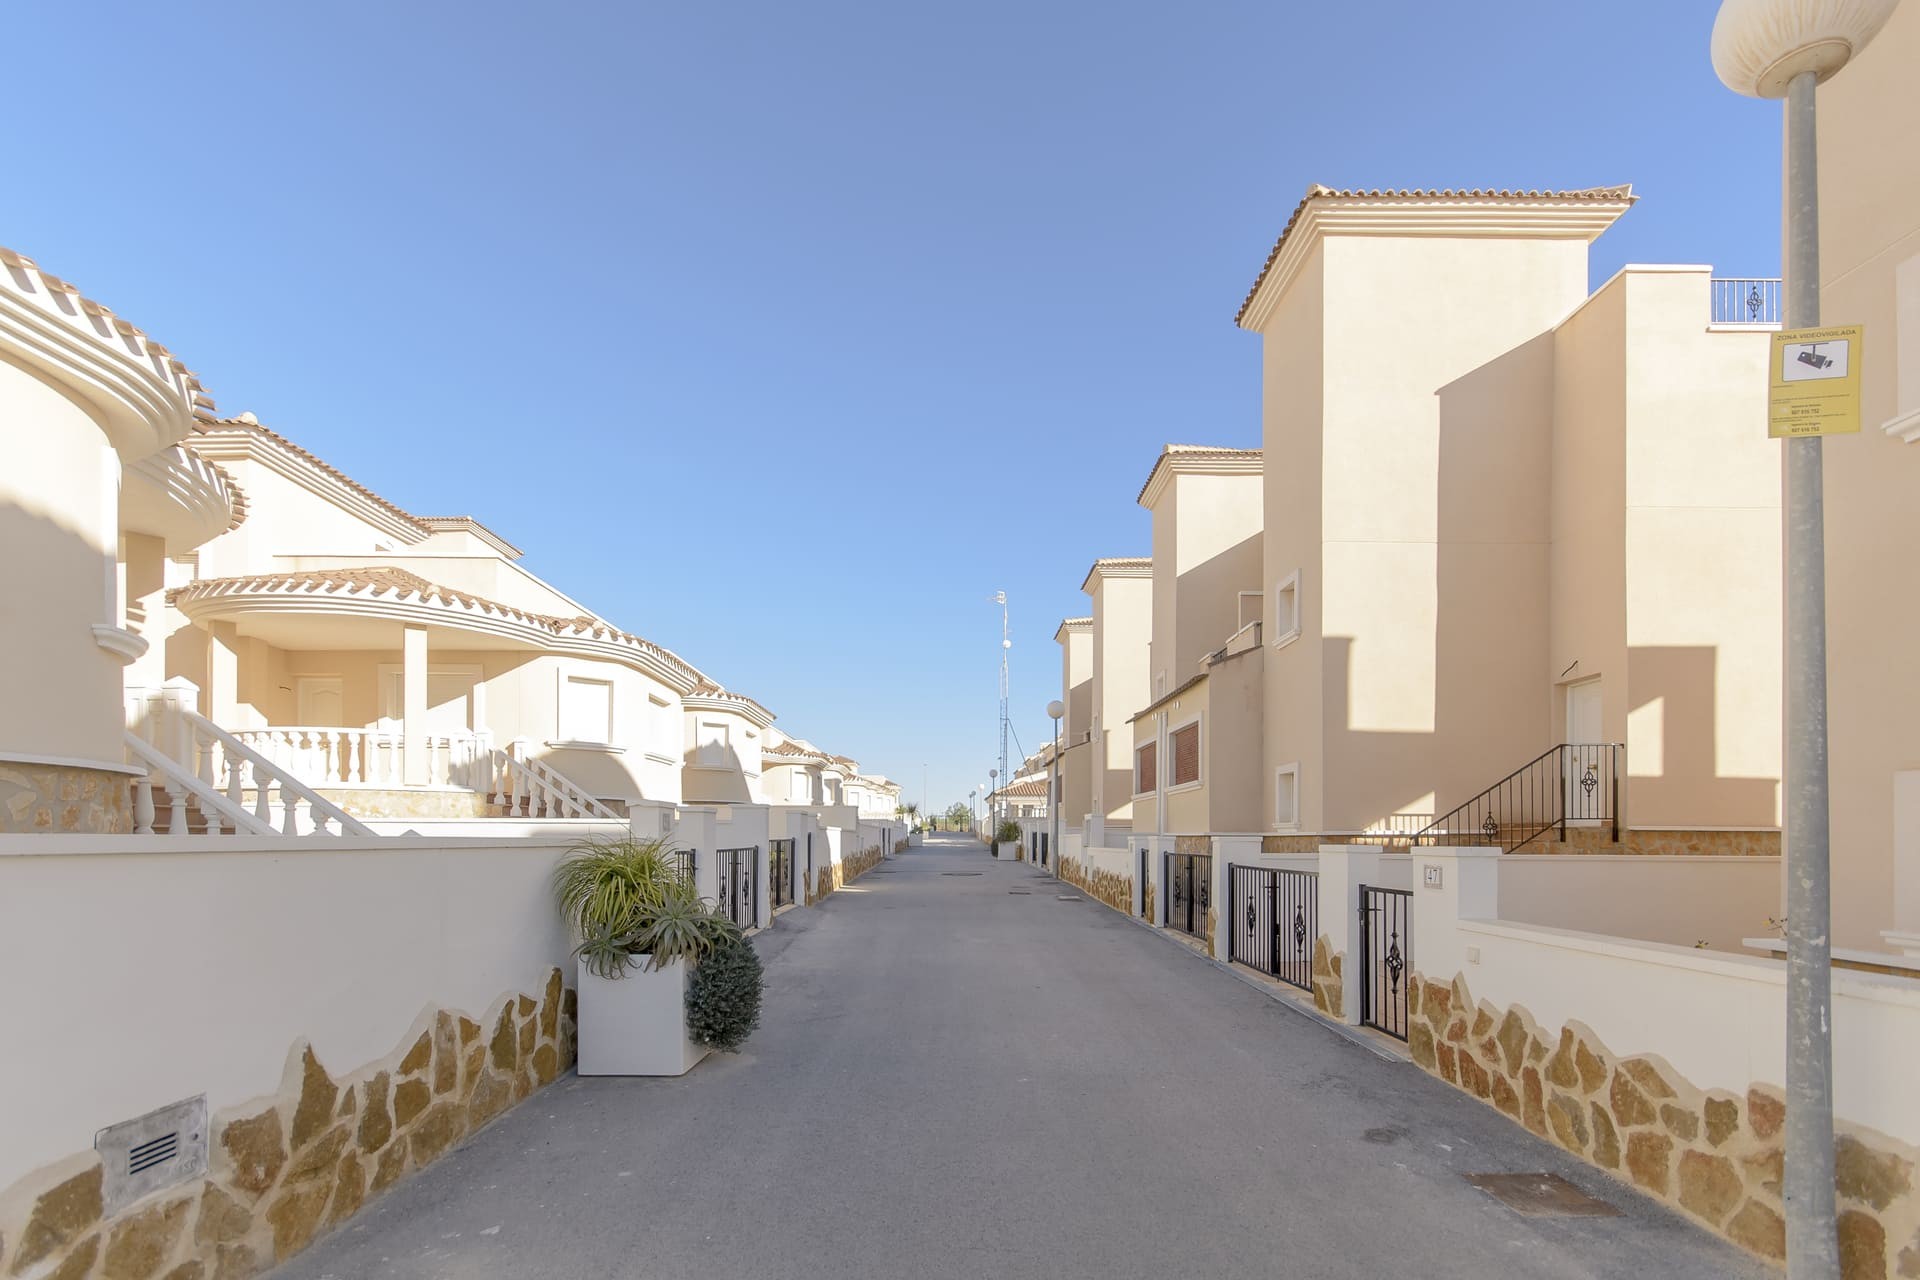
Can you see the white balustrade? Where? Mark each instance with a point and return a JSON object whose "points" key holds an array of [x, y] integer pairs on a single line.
{"points": [[235, 784], [524, 787]]}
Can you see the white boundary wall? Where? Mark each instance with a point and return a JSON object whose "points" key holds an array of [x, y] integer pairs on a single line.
{"points": [[139, 970], [1719, 1020], [1658, 898]]}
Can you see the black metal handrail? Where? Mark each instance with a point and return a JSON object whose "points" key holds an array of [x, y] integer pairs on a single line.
{"points": [[1571, 782]]}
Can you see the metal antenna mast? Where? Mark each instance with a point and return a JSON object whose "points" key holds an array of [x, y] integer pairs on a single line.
{"points": [[1000, 598]]}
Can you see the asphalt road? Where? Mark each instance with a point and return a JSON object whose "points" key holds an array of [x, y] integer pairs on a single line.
{"points": [[955, 1080]]}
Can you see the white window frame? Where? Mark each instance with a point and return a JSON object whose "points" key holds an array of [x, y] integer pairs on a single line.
{"points": [[725, 745], [1159, 767], [1282, 821], [560, 726], [1286, 610], [1175, 788], [660, 722]]}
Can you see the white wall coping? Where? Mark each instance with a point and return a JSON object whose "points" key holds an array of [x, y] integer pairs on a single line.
{"points": [[1756, 969], [1641, 859], [1886, 959], [80, 846]]}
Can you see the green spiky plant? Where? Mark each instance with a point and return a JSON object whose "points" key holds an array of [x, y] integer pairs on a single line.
{"points": [[624, 898]]}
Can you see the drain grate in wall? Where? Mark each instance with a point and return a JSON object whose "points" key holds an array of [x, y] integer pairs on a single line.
{"points": [[156, 1150], [1541, 1195]]}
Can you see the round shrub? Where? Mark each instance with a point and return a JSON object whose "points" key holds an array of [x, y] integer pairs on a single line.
{"points": [[723, 997]]}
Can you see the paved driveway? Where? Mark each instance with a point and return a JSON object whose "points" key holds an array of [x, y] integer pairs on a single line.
{"points": [[956, 1080]]}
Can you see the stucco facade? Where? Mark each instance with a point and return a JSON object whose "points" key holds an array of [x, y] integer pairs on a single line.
{"points": [[1075, 638], [1483, 488], [1870, 275], [1122, 592]]}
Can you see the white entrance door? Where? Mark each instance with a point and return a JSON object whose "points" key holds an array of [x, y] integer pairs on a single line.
{"points": [[1587, 769], [322, 701]]}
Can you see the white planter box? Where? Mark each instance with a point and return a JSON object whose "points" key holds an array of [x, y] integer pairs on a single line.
{"points": [[1006, 850], [636, 1025]]}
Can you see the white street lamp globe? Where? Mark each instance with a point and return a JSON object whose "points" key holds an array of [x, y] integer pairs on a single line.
{"points": [[1759, 46], [1055, 710]]}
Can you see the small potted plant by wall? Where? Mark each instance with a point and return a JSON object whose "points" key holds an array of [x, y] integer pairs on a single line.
{"points": [[663, 978], [1006, 839]]}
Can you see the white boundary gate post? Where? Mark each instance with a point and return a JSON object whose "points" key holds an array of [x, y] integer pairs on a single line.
{"points": [[1343, 869]]}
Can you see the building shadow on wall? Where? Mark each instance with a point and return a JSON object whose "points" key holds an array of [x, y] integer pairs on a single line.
{"points": [[1687, 789]]}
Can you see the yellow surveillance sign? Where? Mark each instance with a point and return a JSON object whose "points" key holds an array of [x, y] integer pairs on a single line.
{"points": [[1815, 387]]}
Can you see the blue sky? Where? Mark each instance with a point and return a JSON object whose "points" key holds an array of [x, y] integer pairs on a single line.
{"points": [[858, 312]]}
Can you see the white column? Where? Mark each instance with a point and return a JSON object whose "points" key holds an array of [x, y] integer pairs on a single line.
{"points": [[1450, 885], [1343, 869], [223, 676], [413, 706], [1228, 851]]}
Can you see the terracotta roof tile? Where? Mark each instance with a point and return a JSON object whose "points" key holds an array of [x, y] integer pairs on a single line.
{"points": [[248, 424], [381, 580], [1198, 452], [138, 341], [1318, 192]]}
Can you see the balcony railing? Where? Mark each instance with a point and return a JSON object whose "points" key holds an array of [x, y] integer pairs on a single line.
{"points": [[325, 756], [1746, 304]]}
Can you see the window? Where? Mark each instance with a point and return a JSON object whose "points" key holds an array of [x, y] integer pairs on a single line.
{"points": [[715, 748], [1286, 609], [586, 710], [1286, 796], [663, 738], [802, 786], [1146, 768], [1185, 742]]}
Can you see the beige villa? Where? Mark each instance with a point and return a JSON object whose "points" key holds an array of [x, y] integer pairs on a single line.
{"points": [[1504, 513], [286, 650], [1075, 638], [1196, 745], [1870, 275], [1122, 627]]}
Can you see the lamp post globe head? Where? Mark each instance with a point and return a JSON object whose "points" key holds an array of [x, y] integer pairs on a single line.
{"points": [[1055, 710], [1759, 46]]}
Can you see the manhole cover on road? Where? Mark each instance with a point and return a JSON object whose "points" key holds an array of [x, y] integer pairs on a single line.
{"points": [[963, 873], [1541, 1195], [1067, 897], [1027, 891]]}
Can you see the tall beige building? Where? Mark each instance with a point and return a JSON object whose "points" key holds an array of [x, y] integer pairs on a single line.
{"points": [[1122, 592], [1870, 275], [1501, 513]]}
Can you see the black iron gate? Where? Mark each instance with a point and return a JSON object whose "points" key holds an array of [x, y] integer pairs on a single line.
{"points": [[1146, 896], [1386, 954], [1276, 920], [682, 860], [780, 872], [734, 873], [1040, 847], [1189, 892]]}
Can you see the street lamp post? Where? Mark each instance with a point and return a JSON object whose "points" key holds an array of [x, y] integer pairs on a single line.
{"points": [[1054, 711], [1784, 49]]}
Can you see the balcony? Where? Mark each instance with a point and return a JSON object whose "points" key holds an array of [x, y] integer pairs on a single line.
{"points": [[1745, 303]]}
